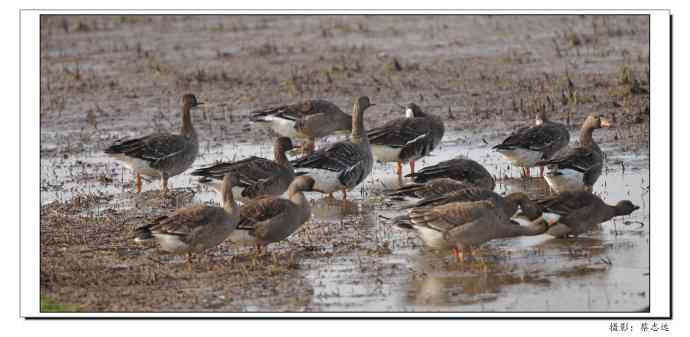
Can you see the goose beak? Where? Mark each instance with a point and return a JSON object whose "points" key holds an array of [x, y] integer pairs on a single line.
{"points": [[605, 123]]}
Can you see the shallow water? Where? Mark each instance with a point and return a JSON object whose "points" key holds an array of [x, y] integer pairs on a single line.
{"points": [[360, 263]]}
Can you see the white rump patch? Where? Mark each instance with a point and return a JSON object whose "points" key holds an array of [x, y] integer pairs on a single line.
{"points": [[325, 181], [171, 243], [522, 157], [567, 180], [385, 153], [282, 126]]}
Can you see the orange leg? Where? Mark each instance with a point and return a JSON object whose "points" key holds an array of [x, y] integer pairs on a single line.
{"points": [[411, 166], [541, 171], [308, 146], [344, 194], [459, 257], [398, 172], [525, 172], [137, 183]]}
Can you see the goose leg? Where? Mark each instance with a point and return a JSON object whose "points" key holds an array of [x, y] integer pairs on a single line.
{"points": [[190, 261], [541, 171], [308, 146], [164, 183], [344, 194], [398, 171], [411, 166], [137, 183], [459, 257]]}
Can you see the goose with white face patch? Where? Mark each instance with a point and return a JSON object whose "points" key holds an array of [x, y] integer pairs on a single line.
{"points": [[576, 212], [196, 228], [161, 155], [580, 167], [343, 165], [531, 144], [308, 120], [404, 140], [257, 176]]}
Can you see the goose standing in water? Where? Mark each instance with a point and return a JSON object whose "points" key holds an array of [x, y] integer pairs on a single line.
{"points": [[577, 212], [529, 145], [161, 155], [460, 169], [196, 228], [509, 204], [461, 225], [271, 219], [580, 167], [342, 165], [257, 176], [406, 139], [308, 120]]}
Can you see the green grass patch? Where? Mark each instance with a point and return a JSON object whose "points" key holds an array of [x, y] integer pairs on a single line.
{"points": [[49, 306]]}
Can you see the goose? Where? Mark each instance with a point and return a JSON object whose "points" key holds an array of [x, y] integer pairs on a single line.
{"points": [[577, 212], [528, 145], [508, 204], [308, 120], [407, 139], [160, 155], [461, 225], [429, 189], [580, 167], [342, 165], [271, 219], [196, 228], [459, 168], [257, 176]]}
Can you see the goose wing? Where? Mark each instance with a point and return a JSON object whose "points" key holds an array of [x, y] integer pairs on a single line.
{"points": [[536, 138], [259, 210], [154, 148], [568, 202], [184, 222], [451, 217]]}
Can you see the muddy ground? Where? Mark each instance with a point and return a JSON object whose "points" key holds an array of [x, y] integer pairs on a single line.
{"points": [[106, 77]]}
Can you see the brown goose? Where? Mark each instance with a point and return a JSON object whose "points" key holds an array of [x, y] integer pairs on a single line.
{"points": [[406, 139], [580, 167], [461, 169], [576, 212], [509, 204], [430, 189], [460, 225], [270, 219], [309, 120], [257, 176], [342, 165], [161, 155], [528, 145], [196, 228]]}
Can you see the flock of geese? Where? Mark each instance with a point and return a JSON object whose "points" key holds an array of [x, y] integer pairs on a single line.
{"points": [[455, 206]]}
